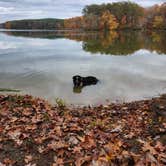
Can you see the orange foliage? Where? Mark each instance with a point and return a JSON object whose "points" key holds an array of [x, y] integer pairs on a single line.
{"points": [[73, 23], [108, 21], [158, 22], [7, 25]]}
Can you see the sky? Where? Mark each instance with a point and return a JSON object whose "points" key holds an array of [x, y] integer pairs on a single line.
{"points": [[30, 9]]}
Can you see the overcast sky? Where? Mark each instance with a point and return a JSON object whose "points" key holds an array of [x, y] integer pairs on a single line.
{"points": [[23, 9]]}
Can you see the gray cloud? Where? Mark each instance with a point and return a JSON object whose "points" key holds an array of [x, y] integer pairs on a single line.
{"points": [[23, 9]]}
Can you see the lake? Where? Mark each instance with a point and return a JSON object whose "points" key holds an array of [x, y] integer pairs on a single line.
{"points": [[130, 65]]}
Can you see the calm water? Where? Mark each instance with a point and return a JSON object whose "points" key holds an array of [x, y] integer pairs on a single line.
{"points": [[130, 65]]}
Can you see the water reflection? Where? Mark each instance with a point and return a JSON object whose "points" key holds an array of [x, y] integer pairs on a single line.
{"points": [[77, 89], [43, 64], [110, 43], [115, 43]]}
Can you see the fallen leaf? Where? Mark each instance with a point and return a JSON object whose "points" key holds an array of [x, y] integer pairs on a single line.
{"points": [[8, 161], [54, 145], [117, 129], [28, 158], [2, 164], [14, 134], [88, 142], [160, 147], [147, 147], [81, 160]]}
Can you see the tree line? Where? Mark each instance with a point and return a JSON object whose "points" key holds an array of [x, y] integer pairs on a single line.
{"points": [[51, 24], [111, 16]]}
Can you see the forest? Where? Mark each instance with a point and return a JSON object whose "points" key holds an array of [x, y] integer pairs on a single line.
{"points": [[34, 24], [111, 16]]}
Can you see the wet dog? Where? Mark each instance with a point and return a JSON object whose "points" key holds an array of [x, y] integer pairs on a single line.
{"points": [[79, 81]]}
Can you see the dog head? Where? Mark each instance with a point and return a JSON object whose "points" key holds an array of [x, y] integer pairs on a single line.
{"points": [[78, 81]]}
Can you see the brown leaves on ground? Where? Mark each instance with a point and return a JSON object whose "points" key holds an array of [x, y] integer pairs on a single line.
{"points": [[34, 133]]}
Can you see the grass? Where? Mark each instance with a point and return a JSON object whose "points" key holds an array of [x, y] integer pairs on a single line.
{"points": [[60, 103], [9, 90]]}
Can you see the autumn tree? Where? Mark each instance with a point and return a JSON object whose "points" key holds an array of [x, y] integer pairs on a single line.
{"points": [[108, 21], [127, 14], [94, 9], [155, 17], [73, 23], [8, 25], [91, 22], [158, 22]]}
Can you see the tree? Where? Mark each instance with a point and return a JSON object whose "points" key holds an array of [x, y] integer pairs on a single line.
{"points": [[94, 9], [126, 14], [8, 25], [91, 22], [108, 21], [155, 17], [158, 22], [74, 23]]}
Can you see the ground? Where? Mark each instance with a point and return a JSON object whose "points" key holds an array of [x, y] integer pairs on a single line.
{"points": [[35, 133]]}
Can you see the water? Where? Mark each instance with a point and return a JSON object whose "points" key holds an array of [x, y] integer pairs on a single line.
{"points": [[130, 65]]}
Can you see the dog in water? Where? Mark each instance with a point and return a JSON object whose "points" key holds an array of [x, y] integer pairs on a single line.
{"points": [[79, 82]]}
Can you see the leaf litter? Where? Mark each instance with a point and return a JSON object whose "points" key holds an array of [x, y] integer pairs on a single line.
{"points": [[35, 133]]}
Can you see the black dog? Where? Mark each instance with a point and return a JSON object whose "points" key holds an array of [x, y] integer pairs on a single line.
{"points": [[79, 81]]}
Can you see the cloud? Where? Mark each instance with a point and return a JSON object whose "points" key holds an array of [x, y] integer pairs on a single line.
{"points": [[7, 45], [24, 9], [6, 10]]}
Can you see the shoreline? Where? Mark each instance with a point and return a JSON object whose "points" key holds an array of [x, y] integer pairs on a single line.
{"points": [[54, 103], [34, 132]]}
